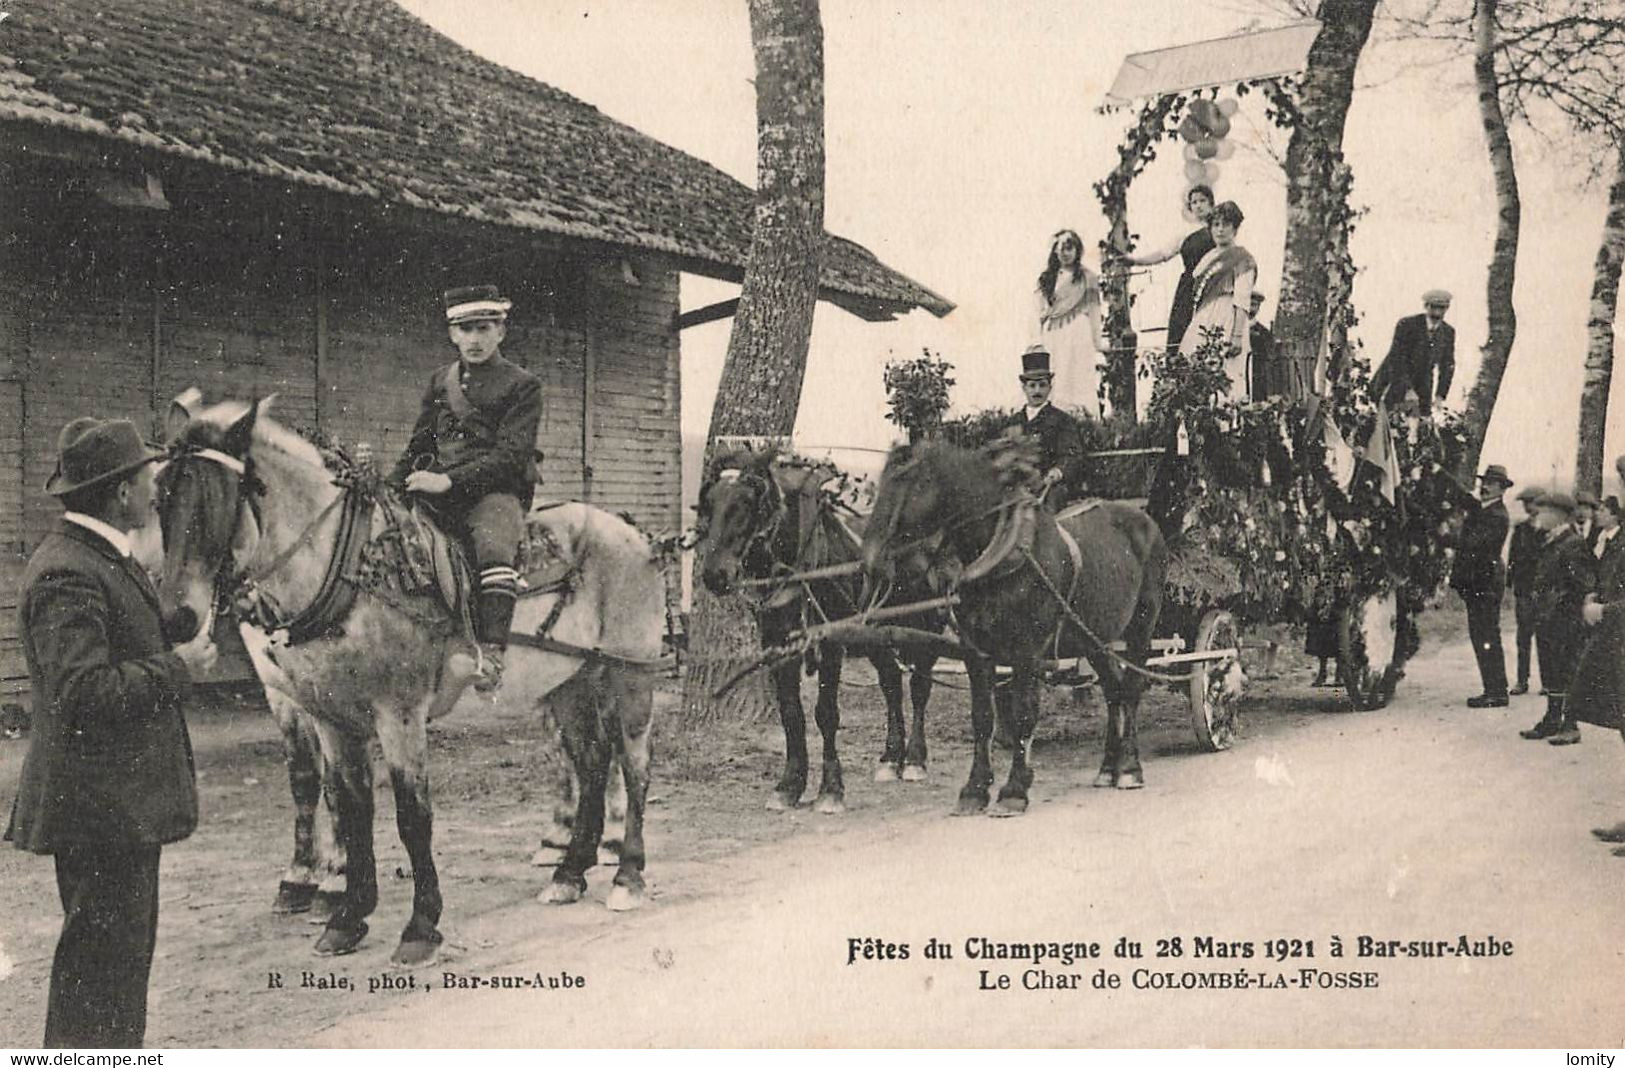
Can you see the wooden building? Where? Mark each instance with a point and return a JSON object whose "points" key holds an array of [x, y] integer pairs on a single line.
{"points": [[259, 196]]}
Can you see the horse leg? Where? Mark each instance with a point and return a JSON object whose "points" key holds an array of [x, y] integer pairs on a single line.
{"points": [[403, 735], [1110, 686], [919, 692], [615, 804], [793, 783], [562, 789], [298, 886], [973, 796], [351, 777], [1137, 637], [891, 688], [631, 710], [1023, 718], [827, 714], [577, 703]]}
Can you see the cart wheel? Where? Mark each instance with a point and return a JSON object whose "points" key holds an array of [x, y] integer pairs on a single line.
{"points": [[1216, 684], [1367, 646]]}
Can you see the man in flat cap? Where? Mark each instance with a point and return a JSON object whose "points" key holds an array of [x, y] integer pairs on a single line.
{"points": [[1523, 557], [472, 458], [1564, 579], [1477, 576], [1585, 517], [108, 779], [1060, 449], [1422, 345]]}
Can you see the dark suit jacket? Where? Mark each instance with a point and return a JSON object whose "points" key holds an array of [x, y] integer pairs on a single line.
{"points": [[109, 759], [1524, 557], [1268, 379], [1477, 569], [1566, 574], [490, 450], [1412, 359], [1058, 442]]}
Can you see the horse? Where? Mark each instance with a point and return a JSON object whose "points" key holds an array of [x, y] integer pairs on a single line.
{"points": [[245, 501], [763, 519], [1024, 582]]}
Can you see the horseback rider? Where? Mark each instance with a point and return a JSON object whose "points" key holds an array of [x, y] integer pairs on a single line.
{"points": [[472, 458], [1060, 449]]}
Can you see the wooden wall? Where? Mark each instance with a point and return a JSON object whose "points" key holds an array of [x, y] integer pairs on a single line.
{"points": [[249, 288]]}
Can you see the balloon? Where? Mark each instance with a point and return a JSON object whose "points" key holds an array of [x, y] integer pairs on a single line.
{"points": [[1191, 130], [1206, 149], [1204, 112], [1196, 171], [1226, 149], [1190, 152], [1227, 107], [1219, 127]]}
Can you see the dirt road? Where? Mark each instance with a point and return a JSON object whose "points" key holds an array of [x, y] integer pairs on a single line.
{"points": [[1424, 822]]}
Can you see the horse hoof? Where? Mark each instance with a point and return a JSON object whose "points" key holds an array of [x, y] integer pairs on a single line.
{"points": [[1009, 806], [781, 802], [913, 772], [1105, 778], [971, 806], [547, 857], [624, 899], [416, 952], [324, 904], [560, 894], [830, 805], [1132, 781], [292, 898], [338, 941], [886, 773]]}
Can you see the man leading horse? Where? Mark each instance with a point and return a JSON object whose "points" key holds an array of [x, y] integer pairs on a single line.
{"points": [[472, 458]]}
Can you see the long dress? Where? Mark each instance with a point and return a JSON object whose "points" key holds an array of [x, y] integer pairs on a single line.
{"points": [[1223, 284], [1065, 329], [1197, 243]]}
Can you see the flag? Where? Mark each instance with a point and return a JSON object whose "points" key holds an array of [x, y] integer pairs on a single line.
{"points": [[1380, 451], [1340, 459]]}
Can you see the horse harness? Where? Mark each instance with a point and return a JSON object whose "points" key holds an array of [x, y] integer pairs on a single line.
{"points": [[343, 580]]}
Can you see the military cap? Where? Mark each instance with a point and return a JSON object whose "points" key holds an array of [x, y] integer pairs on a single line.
{"points": [[468, 303]]}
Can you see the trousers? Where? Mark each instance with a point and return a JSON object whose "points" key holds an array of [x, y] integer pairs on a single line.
{"points": [[103, 958], [1524, 613], [1484, 630]]}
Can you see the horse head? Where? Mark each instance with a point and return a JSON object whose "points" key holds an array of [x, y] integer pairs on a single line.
{"points": [[740, 507], [206, 511]]}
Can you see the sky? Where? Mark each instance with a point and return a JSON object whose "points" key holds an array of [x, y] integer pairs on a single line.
{"points": [[960, 134]]}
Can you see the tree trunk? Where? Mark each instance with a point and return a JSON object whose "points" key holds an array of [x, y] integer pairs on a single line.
{"points": [[761, 382], [1503, 320], [1314, 178], [1588, 463]]}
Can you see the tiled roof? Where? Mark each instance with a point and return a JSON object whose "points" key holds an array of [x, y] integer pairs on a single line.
{"points": [[360, 97]]}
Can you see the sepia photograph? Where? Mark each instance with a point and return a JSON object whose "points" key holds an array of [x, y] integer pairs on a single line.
{"points": [[803, 524]]}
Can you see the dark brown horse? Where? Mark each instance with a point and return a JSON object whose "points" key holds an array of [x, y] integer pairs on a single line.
{"points": [[763, 519], [1019, 571]]}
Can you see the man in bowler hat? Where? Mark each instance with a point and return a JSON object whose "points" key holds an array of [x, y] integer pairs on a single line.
{"points": [[472, 458], [1060, 449], [108, 779], [1423, 344], [1523, 557], [1564, 579], [1477, 576]]}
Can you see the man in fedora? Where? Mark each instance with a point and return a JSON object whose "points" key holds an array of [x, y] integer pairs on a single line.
{"points": [[1423, 344], [1523, 557], [1060, 449], [108, 779], [1478, 577], [1565, 578], [472, 458]]}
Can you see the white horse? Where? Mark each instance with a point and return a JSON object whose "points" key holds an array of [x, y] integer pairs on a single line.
{"points": [[244, 500]]}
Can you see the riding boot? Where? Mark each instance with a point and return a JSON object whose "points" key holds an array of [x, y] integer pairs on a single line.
{"points": [[1550, 723], [492, 618]]}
